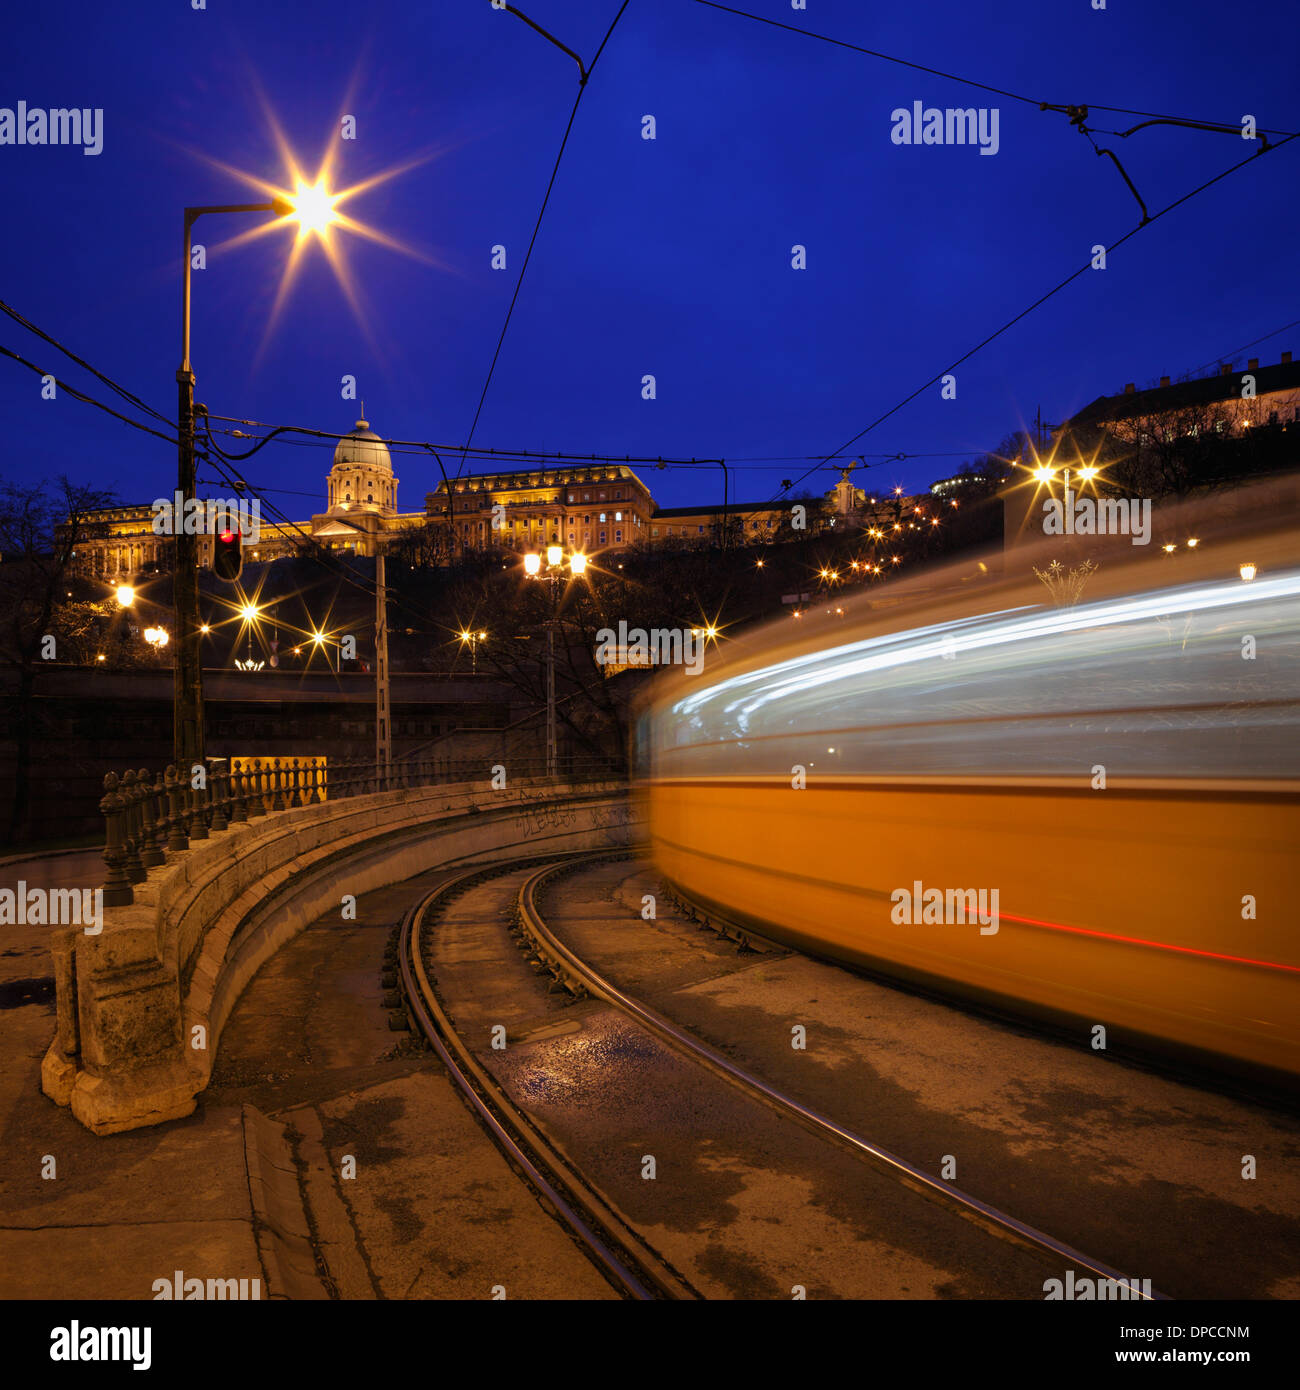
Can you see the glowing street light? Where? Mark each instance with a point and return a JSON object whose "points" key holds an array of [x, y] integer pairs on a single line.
{"points": [[551, 574], [472, 639], [156, 637], [1248, 572], [125, 595], [311, 207]]}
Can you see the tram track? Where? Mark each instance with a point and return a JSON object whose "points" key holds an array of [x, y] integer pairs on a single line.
{"points": [[579, 974], [626, 1256]]}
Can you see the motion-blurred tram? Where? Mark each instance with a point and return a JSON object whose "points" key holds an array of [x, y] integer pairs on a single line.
{"points": [[1088, 813]]}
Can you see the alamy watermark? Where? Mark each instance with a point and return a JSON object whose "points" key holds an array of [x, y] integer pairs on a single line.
{"points": [[1073, 515], [77, 1343], [953, 125], [1095, 1289], [24, 125], [52, 907], [945, 907], [660, 646], [201, 516]]}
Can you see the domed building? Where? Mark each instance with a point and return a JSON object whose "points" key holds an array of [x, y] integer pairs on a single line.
{"points": [[361, 493]]}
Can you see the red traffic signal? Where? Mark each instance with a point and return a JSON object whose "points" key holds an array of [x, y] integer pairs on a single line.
{"points": [[227, 555]]}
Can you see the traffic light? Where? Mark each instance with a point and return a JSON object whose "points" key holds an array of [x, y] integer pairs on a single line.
{"points": [[227, 555]]}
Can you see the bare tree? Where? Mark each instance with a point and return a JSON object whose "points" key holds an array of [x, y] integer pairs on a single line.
{"points": [[41, 527]]}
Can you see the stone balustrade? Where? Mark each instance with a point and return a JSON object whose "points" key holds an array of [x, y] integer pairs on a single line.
{"points": [[204, 884]]}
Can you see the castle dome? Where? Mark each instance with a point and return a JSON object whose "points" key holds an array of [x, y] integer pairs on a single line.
{"points": [[364, 447], [361, 478]]}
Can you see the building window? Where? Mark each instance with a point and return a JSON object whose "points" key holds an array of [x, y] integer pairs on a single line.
{"points": [[654, 530], [618, 538], [602, 538], [618, 495], [586, 497], [602, 518], [618, 516], [700, 529]]}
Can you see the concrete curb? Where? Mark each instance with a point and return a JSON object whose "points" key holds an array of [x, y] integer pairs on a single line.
{"points": [[336, 1236], [279, 1222]]}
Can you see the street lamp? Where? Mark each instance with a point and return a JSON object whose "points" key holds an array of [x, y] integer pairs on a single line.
{"points": [[313, 209], [472, 639], [550, 570], [125, 595]]}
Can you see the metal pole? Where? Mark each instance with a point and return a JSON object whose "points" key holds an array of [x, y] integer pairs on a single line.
{"points": [[383, 729], [187, 708], [551, 758], [187, 717]]}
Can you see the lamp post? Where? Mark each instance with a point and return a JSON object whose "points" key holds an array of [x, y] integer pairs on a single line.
{"points": [[472, 639], [550, 569], [313, 210]]}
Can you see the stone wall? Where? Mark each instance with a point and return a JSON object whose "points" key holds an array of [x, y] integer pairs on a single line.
{"points": [[142, 1004]]}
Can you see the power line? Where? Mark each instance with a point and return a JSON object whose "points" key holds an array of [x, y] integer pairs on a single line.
{"points": [[88, 400], [971, 82], [1227, 357], [126, 395], [1042, 299], [537, 226]]}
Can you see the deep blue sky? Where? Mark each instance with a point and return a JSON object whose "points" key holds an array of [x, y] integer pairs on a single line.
{"points": [[669, 257]]}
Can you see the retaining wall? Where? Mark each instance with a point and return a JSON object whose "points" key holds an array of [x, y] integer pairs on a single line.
{"points": [[141, 1005]]}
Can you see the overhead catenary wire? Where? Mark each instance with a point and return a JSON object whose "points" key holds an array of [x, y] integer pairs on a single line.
{"points": [[971, 82], [1024, 313], [537, 226], [88, 399], [130, 397]]}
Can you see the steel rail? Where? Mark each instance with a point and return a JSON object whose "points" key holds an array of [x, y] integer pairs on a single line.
{"points": [[580, 973], [631, 1267]]}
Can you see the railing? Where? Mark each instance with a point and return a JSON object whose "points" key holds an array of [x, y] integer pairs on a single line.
{"points": [[149, 819]]}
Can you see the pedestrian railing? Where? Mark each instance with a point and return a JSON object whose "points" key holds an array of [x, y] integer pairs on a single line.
{"points": [[148, 818]]}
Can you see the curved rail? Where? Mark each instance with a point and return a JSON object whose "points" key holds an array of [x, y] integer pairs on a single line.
{"points": [[578, 974], [629, 1265]]}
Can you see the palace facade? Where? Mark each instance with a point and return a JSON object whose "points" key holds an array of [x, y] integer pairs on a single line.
{"points": [[595, 508]]}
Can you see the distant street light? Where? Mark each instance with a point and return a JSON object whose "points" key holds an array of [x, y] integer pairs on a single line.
{"points": [[551, 573], [1248, 572], [472, 639]]}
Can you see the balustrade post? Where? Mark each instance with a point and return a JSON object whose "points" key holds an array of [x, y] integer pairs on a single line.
{"points": [[176, 836], [219, 785], [198, 799], [151, 854], [239, 809], [277, 801], [135, 870], [117, 886], [257, 798]]}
